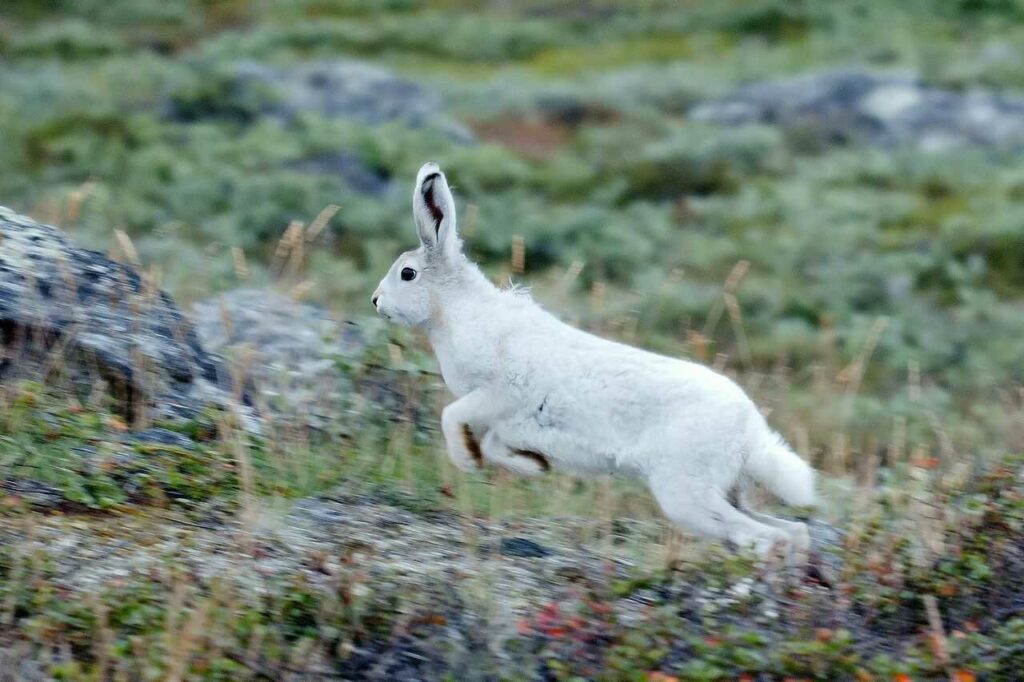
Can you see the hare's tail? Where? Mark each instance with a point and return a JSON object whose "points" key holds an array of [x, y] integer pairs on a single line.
{"points": [[774, 465]]}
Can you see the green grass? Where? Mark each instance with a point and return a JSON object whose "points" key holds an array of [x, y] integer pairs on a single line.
{"points": [[329, 611]]}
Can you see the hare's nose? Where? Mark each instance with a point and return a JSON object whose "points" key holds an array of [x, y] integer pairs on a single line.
{"points": [[375, 297]]}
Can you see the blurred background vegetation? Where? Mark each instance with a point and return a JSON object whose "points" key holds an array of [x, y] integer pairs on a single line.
{"points": [[203, 127]]}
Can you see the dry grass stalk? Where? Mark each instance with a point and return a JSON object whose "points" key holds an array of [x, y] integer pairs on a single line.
{"points": [[55, 364], [736, 275], [241, 367], [152, 280], [469, 223], [518, 259], [399, 445], [598, 295], [48, 211], [225, 318], [289, 257], [732, 283], [802, 440], [946, 449], [296, 259], [914, 380], [608, 504], [866, 484], [852, 377], [320, 222], [229, 433], [672, 543], [853, 374], [254, 648], [898, 445], [442, 457], [839, 453], [630, 328], [285, 245], [395, 355], [572, 273], [823, 383], [143, 369], [15, 578], [127, 248], [241, 266], [940, 646], [301, 290], [182, 642], [105, 641], [174, 608], [720, 362], [501, 482], [698, 345], [70, 285], [75, 199], [736, 318]]}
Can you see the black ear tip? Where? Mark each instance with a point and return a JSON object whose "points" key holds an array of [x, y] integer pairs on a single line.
{"points": [[427, 184]]}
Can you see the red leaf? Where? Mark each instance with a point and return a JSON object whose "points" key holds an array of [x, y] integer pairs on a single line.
{"points": [[655, 676]]}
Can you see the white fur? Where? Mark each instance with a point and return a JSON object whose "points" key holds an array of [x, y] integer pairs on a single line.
{"points": [[525, 381]]}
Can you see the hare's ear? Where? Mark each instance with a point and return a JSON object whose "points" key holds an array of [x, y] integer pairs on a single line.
{"points": [[433, 207]]}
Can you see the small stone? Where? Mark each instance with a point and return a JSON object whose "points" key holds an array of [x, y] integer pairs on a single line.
{"points": [[522, 548]]}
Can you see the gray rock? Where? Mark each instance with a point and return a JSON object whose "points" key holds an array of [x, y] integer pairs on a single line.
{"points": [[73, 315], [36, 494], [159, 436], [308, 368], [349, 168], [856, 105], [823, 535], [288, 350], [349, 89]]}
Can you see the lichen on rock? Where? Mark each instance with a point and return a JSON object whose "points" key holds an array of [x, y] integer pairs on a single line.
{"points": [[74, 317]]}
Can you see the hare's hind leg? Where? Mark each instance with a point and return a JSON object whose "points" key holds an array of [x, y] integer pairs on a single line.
{"points": [[697, 506], [796, 530], [522, 462]]}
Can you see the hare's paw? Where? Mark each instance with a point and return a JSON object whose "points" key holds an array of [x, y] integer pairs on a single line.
{"points": [[463, 447], [465, 422]]}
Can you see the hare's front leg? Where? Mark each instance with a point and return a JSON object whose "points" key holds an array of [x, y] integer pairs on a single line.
{"points": [[464, 423]]}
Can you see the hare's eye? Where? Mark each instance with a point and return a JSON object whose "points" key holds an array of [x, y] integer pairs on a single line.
{"points": [[408, 274]]}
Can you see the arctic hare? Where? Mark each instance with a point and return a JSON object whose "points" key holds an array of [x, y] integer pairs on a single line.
{"points": [[533, 394]]}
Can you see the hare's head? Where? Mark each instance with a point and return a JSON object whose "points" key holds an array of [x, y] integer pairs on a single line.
{"points": [[410, 292]]}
